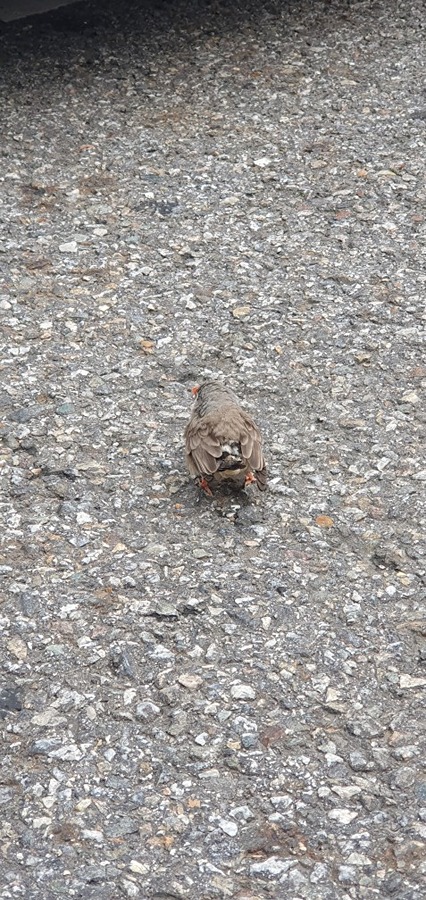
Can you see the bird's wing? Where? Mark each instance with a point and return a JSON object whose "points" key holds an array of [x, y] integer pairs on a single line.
{"points": [[251, 448], [251, 442], [202, 447]]}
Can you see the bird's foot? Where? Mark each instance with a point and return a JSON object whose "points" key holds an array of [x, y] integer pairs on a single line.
{"points": [[205, 487], [250, 479]]}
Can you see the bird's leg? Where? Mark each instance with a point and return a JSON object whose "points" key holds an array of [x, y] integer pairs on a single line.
{"points": [[205, 487], [250, 479]]}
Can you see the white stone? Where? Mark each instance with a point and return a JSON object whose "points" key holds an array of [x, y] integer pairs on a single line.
{"points": [[332, 695], [130, 888], [242, 692], [332, 759], [90, 834], [359, 859], [41, 822], [70, 247], [271, 866], [228, 827], [147, 709], [69, 752], [49, 718], [408, 681], [138, 868], [83, 804], [344, 816], [162, 652], [192, 682], [324, 791], [18, 647], [128, 696], [410, 397], [346, 792], [83, 518]]}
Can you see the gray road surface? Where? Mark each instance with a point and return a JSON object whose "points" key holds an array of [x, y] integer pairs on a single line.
{"points": [[213, 699]]}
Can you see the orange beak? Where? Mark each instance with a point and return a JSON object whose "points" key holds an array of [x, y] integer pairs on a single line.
{"points": [[195, 390]]}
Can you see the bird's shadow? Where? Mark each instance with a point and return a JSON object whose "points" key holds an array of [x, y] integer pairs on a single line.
{"points": [[226, 501]]}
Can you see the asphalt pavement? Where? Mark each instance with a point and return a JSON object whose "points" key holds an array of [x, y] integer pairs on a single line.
{"points": [[213, 697]]}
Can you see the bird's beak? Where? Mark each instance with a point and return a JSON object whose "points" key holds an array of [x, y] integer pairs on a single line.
{"points": [[195, 390]]}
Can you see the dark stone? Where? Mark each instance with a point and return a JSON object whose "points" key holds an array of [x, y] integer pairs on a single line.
{"points": [[122, 827], [10, 701], [25, 414], [121, 662]]}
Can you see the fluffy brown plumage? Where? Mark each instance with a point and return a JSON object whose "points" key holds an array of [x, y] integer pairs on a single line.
{"points": [[222, 443]]}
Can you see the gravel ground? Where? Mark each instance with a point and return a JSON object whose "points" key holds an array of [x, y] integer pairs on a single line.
{"points": [[213, 698]]}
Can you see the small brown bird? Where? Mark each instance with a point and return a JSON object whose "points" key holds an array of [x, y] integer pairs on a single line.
{"points": [[222, 443]]}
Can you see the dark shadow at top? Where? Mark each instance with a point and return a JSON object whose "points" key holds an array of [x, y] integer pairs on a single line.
{"points": [[106, 35]]}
